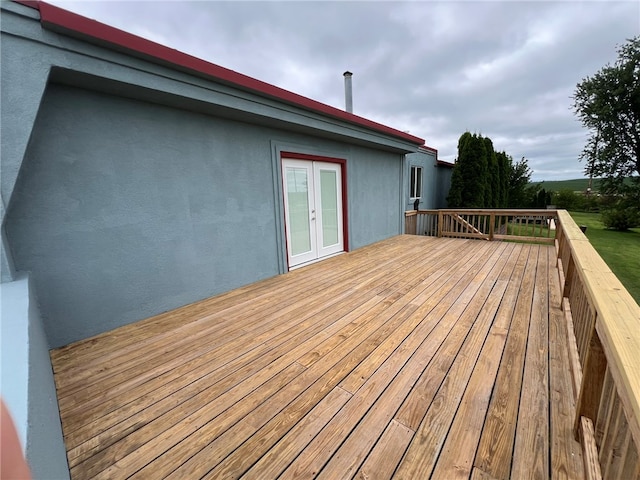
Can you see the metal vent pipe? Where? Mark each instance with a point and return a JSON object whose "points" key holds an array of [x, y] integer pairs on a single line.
{"points": [[348, 92]]}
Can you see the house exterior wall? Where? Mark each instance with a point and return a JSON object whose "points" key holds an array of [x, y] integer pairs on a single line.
{"points": [[27, 381], [55, 57], [130, 188], [124, 209], [436, 180], [443, 184], [427, 160]]}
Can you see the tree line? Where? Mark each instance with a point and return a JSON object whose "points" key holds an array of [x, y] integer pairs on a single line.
{"points": [[484, 178]]}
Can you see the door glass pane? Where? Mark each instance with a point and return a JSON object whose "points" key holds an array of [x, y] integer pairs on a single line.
{"points": [[329, 205], [298, 201]]}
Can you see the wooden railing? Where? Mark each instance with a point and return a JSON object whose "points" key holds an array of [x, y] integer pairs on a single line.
{"points": [[604, 341], [516, 225], [603, 327]]}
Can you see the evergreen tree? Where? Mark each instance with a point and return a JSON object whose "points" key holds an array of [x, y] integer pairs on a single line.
{"points": [[504, 167], [469, 178], [541, 198], [473, 196], [454, 198], [493, 187], [484, 178]]}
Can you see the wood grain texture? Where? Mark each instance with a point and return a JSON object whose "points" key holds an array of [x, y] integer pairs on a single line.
{"points": [[495, 449], [531, 448], [617, 312], [566, 453], [391, 360], [589, 450]]}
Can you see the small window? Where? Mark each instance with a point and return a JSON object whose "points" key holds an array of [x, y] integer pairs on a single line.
{"points": [[416, 182]]}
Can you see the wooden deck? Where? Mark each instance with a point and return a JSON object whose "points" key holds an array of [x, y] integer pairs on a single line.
{"points": [[415, 357]]}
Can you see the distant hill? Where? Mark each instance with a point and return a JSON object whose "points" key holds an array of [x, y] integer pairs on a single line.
{"points": [[575, 185]]}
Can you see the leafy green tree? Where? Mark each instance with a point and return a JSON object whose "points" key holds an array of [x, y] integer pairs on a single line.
{"points": [[519, 178], [468, 181], [567, 199], [608, 105], [621, 218]]}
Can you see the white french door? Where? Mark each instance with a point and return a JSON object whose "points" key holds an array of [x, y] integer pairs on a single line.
{"points": [[313, 209]]}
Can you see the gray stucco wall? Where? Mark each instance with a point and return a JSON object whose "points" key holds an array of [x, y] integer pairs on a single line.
{"points": [[436, 181], [14, 351], [32, 55], [27, 381], [24, 78], [443, 175], [124, 209], [46, 454], [426, 160]]}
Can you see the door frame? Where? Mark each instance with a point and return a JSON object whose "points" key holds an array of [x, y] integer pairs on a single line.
{"points": [[318, 158]]}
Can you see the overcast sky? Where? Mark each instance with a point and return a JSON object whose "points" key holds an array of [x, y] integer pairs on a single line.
{"points": [[505, 69]]}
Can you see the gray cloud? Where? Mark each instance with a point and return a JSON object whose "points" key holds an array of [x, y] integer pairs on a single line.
{"points": [[506, 69]]}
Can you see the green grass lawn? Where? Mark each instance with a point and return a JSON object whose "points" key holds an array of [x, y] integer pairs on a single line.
{"points": [[536, 230], [621, 250]]}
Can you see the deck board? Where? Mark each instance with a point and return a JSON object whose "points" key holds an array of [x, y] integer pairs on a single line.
{"points": [[414, 357]]}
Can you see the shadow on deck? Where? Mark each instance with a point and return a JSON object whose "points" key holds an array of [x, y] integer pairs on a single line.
{"points": [[415, 357]]}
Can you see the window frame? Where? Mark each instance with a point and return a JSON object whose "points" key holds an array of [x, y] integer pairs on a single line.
{"points": [[415, 182]]}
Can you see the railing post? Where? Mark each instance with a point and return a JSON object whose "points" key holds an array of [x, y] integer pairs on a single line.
{"points": [[492, 221], [410, 222], [569, 272], [440, 220], [593, 371]]}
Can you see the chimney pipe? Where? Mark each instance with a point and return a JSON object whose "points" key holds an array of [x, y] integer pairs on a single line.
{"points": [[348, 93]]}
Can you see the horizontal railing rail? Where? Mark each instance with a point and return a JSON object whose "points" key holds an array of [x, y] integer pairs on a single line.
{"points": [[532, 225], [602, 327]]}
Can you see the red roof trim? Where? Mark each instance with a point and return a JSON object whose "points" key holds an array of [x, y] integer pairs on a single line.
{"points": [[306, 156], [428, 149], [52, 17]]}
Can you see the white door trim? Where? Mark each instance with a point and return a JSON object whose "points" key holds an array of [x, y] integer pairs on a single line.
{"points": [[310, 235]]}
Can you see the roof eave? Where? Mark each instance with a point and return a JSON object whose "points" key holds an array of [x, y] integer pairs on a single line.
{"points": [[71, 24]]}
